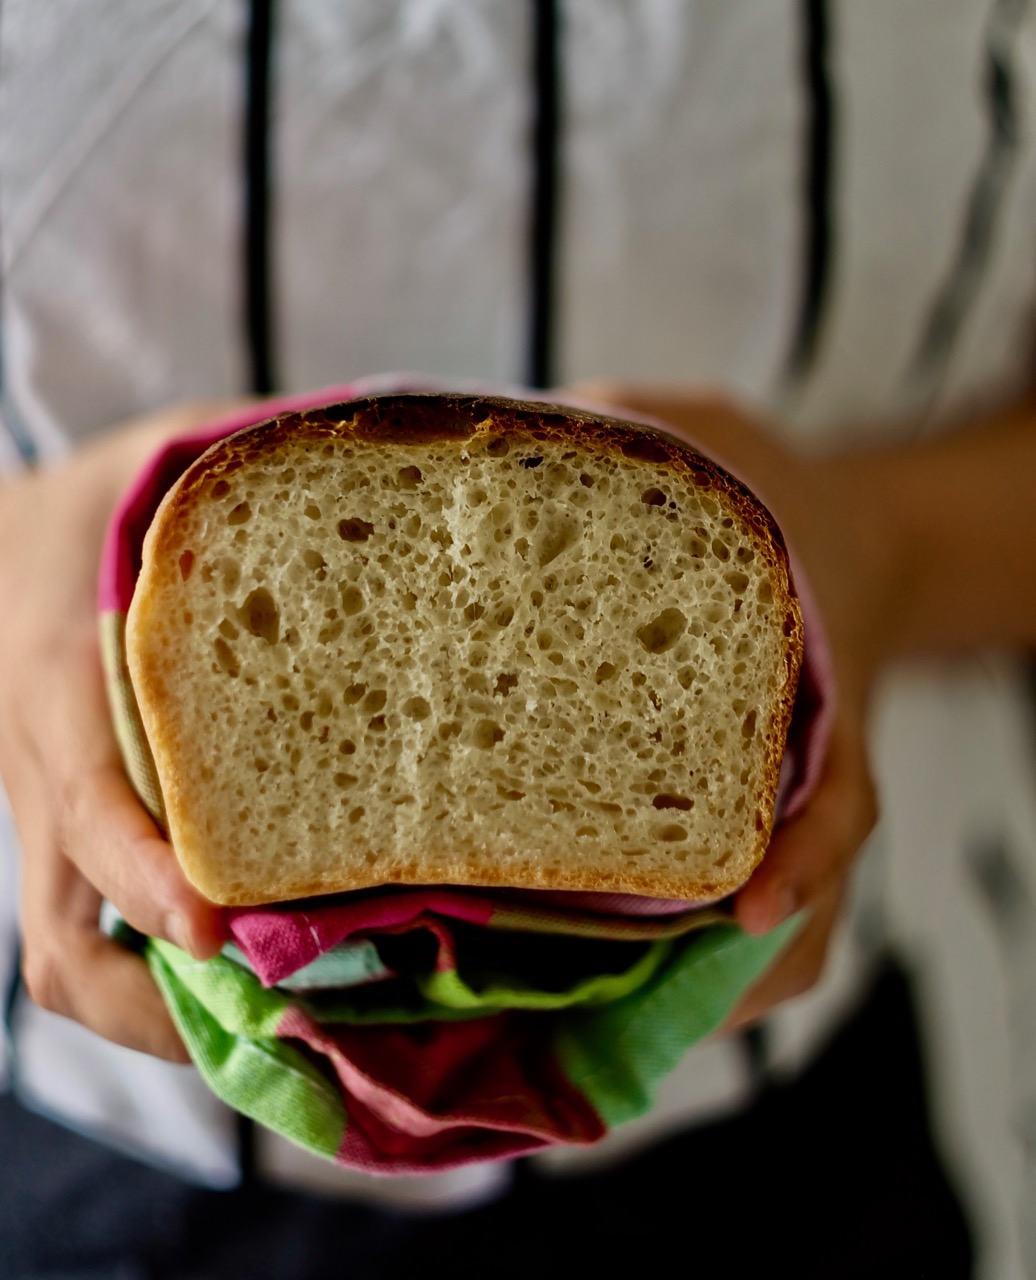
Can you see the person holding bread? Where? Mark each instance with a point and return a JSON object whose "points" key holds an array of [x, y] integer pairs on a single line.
{"points": [[825, 284]]}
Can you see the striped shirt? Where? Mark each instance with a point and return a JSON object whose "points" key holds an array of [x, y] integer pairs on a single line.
{"points": [[825, 207]]}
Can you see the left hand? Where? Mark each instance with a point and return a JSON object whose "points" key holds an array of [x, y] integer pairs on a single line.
{"points": [[824, 517]]}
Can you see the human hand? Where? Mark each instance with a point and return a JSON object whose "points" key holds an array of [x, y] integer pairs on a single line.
{"points": [[824, 517], [84, 834]]}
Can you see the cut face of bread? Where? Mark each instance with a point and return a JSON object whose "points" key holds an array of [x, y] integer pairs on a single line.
{"points": [[443, 639]]}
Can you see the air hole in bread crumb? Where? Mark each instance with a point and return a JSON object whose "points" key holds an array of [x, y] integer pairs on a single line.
{"points": [[354, 530], [186, 564], [260, 615], [748, 726], [666, 801], [487, 734], [662, 632], [604, 672], [560, 534], [653, 498], [505, 682], [352, 599], [345, 780], [240, 514], [231, 574], [220, 489], [738, 582], [330, 631], [765, 593], [672, 834], [409, 477], [417, 708], [227, 658]]}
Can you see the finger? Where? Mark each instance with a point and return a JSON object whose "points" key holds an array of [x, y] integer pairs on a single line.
{"points": [[72, 969], [814, 850], [797, 969], [97, 821], [114, 842]]}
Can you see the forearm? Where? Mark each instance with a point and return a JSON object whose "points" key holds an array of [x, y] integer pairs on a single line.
{"points": [[953, 519]]}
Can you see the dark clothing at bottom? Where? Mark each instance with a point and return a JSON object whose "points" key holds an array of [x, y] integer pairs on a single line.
{"points": [[834, 1174]]}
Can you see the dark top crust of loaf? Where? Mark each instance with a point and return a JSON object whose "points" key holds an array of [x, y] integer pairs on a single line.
{"points": [[428, 417]]}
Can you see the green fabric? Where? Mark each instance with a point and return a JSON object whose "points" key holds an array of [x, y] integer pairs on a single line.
{"points": [[228, 1022], [618, 1055], [449, 990]]}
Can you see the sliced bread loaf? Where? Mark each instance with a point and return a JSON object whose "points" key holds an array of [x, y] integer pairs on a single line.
{"points": [[449, 639]]}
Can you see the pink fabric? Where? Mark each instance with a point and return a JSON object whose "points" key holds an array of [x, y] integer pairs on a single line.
{"points": [[436, 1095], [280, 939]]}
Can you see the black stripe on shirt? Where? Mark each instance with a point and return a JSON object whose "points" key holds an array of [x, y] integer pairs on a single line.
{"points": [[546, 74], [955, 297], [257, 302], [258, 321], [817, 185]]}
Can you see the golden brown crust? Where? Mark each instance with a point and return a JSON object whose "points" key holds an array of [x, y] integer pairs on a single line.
{"points": [[454, 421]]}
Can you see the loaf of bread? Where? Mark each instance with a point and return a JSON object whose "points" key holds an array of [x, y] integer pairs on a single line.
{"points": [[451, 639]]}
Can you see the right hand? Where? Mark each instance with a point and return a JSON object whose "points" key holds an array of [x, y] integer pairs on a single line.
{"points": [[84, 834]]}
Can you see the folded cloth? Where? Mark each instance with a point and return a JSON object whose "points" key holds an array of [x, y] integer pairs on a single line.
{"points": [[414, 1030], [418, 1097]]}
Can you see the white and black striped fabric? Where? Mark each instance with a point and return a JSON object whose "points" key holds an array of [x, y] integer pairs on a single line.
{"points": [[826, 207]]}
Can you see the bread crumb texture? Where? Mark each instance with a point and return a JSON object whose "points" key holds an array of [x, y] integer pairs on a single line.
{"points": [[492, 648]]}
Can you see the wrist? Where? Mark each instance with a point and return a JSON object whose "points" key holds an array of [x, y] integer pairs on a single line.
{"points": [[863, 580]]}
